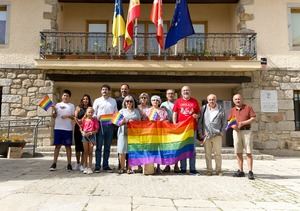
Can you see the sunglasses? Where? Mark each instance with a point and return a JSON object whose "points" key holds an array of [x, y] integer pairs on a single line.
{"points": [[143, 98], [128, 101], [155, 100]]}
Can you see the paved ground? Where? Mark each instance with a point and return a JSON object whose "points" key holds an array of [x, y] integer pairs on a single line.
{"points": [[26, 184]]}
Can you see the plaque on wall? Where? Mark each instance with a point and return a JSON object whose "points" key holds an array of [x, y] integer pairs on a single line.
{"points": [[269, 101]]}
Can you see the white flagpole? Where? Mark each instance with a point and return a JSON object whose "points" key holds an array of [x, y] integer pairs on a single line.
{"points": [[119, 39], [175, 50], [135, 37], [159, 50]]}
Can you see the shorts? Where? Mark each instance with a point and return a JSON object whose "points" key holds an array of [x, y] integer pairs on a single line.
{"points": [[91, 138], [63, 137], [242, 140]]}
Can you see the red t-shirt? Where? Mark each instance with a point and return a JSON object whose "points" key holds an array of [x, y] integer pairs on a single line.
{"points": [[186, 108]]}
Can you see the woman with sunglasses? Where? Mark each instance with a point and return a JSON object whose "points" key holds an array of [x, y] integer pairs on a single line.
{"points": [[161, 115], [130, 113], [144, 105]]}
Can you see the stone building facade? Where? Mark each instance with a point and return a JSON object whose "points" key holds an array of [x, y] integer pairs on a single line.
{"points": [[25, 78]]}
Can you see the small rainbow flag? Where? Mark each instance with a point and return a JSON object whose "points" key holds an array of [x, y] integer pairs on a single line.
{"points": [[117, 118], [160, 142], [232, 121], [153, 115], [46, 103], [105, 119]]}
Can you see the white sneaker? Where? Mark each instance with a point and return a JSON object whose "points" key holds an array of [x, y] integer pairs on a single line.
{"points": [[89, 171], [85, 170], [81, 168], [77, 166]]}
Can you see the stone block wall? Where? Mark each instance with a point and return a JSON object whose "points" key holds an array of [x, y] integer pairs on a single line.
{"points": [[274, 130], [22, 89]]}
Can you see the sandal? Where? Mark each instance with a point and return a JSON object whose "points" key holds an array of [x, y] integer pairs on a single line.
{"points": [[130, 171], [122, 171]]}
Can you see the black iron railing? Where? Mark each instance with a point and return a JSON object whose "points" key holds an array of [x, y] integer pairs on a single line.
{"points": [[95, 45]]}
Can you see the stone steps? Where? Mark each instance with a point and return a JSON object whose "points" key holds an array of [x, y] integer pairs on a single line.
{"points": [[227, 153]]}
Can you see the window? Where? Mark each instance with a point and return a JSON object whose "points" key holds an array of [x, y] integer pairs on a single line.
{"points": [[297, 109], [3, 24], [146, 42], [97, 40], [294, 26], [196, 43]]}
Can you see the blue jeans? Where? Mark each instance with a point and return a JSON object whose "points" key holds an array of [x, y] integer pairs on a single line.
{"points": [[104, 136], [192, 160]]}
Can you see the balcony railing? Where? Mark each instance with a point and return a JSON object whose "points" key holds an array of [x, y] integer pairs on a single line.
{"points": [[214, 46]]}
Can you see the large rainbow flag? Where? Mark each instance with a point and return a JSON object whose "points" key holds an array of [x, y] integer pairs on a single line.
{"points": [[45, 103], [160, 142]]}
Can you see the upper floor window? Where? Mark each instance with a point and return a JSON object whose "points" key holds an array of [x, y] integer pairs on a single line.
{"points": [[196, 43], [97, 39], [3, 24], [294, 26]]}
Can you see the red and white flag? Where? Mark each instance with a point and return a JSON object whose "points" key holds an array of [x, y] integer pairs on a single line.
{"points": [[156, 18]]}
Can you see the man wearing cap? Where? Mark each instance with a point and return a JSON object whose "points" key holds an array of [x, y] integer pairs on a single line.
{"points": [[242, 139], [186, 107]]}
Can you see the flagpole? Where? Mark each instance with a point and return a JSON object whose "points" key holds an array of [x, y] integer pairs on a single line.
{"points": [[135, 37], [175, 50], [119, 38], [159, 50]]}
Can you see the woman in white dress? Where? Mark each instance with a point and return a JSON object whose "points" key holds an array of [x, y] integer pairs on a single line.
{"points": [[130, 113]]}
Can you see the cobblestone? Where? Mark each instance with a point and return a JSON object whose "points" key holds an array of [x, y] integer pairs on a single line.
{"points": [[26, 184]]}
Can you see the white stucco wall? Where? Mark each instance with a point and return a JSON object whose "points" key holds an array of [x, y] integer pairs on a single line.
{"points": [[271, 24], [25, 21]]}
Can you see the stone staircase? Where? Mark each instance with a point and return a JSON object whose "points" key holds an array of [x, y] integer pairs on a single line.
{"points": [[227, 153]]}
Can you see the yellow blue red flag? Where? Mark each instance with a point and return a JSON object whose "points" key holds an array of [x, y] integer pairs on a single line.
{"points": [[118, 27]]}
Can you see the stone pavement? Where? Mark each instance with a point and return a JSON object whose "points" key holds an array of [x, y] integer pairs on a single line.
{"points": [[26, 184]]}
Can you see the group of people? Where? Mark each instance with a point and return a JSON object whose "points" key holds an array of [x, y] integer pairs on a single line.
{"points": [[89, 131]]}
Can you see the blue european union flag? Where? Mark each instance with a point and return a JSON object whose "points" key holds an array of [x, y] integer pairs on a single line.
{"points": [[181, 24]]}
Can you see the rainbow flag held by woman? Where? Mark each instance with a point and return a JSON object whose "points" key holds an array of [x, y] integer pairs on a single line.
{"points": [[154, 116], [46, 103], [117, 119], [231, 122], [105, 119], [160, 142]]}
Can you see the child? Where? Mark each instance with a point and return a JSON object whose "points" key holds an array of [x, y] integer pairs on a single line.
{"points": [[89, 128], [63, 128]]}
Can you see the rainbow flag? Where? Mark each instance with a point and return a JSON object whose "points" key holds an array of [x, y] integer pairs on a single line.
{"points": [[46, 103], [160, 142], [117, 119], [153, 116], [105, 119], [232, 121]]}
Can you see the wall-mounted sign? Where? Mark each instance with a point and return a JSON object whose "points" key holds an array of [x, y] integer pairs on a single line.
{"points": [[268, 101]]}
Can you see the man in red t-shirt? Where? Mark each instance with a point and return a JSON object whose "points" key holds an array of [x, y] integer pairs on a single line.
{"points": [[185, 107], [242, 136]]}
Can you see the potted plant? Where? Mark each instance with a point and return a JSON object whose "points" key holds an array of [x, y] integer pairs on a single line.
{"points": [[12, 141]]}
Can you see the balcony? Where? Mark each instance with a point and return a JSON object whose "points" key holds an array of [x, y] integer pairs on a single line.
{"points": [[198, 47]]}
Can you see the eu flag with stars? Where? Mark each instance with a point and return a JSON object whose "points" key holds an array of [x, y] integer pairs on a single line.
{"points": [[181, 24]]}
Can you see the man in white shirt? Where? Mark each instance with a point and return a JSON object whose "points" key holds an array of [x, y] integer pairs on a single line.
{"points": [[63, 113], [104, 105]]}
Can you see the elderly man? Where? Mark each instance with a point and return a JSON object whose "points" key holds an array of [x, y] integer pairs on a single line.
{"points": [[210, 126], [104, 105], [186, 107], [242, 139]]}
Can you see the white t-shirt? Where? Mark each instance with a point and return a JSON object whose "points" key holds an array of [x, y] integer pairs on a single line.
{"points": [[61, 110], [104, 106]]}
